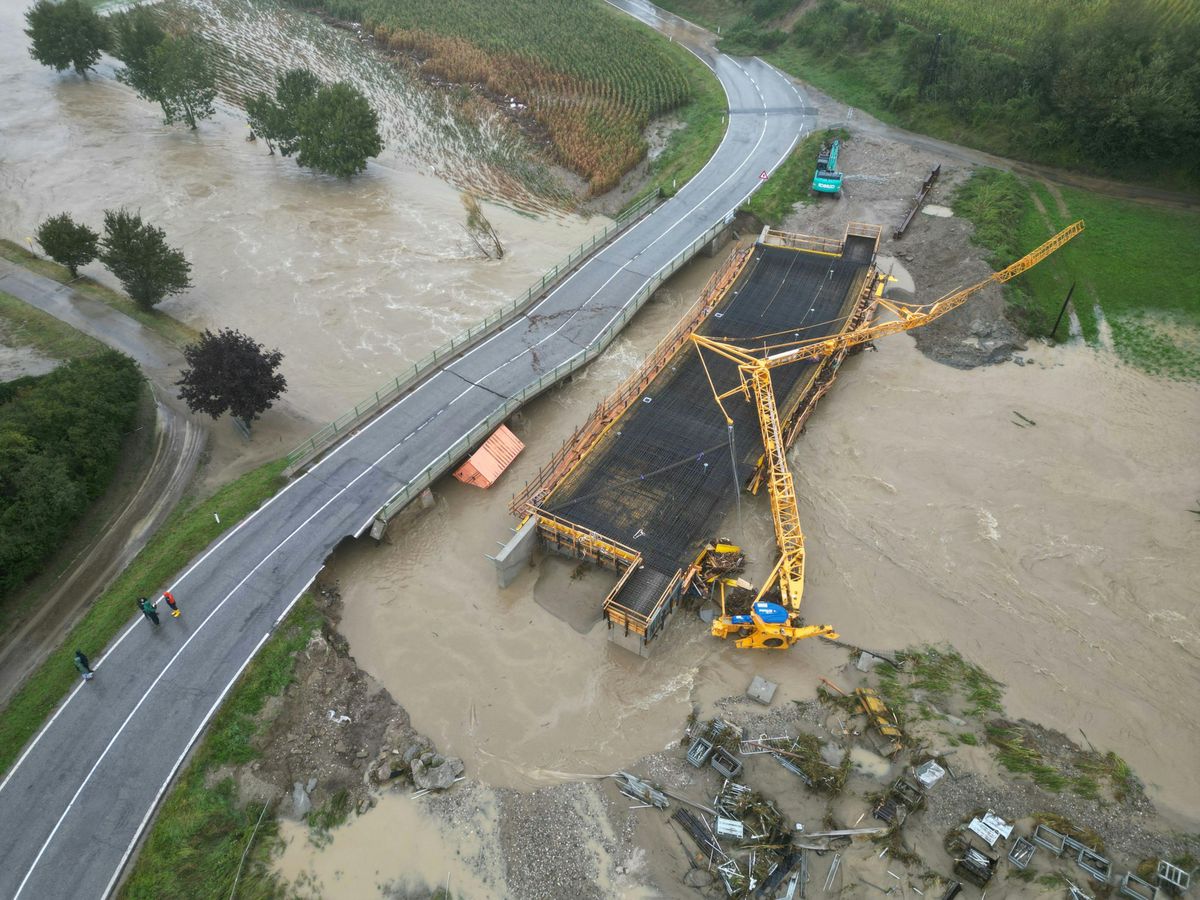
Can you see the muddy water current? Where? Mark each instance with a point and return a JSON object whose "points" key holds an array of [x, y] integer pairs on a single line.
{"points": [[352, 280], [1056, 555]]}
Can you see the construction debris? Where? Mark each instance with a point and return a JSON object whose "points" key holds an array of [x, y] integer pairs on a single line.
{"points": [[881, 719], [636, 789], [761, 690], [1173, 875], [1022, 852], [929, 773]]}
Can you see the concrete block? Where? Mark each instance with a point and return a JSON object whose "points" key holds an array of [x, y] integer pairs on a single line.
{"points": [[761, 690], [514, 557]]}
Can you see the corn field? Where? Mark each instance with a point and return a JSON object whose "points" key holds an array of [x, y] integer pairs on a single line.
{"points": [[591, 78]]}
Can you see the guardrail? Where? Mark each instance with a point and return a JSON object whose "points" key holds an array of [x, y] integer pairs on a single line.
{"points": [[439, 466], [348, 421], [615, 404]]}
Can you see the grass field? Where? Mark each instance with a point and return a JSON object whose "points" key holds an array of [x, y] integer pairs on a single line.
{"points": [[201, 832], [185, 534], [27, 326], [791, 183], [1131, 268], [166, 326]]}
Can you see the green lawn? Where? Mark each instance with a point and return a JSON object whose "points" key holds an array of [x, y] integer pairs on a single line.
{"points": [[172, 329], [185, 534], [195, 846], [1132, 264], [791, 183], [27, 326]]}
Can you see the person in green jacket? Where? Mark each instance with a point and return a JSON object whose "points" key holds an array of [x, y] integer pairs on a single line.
{"points": [[148, 610], [84, 667]]}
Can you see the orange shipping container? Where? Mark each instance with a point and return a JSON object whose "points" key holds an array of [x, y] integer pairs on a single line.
{"points": [[489, 462]]}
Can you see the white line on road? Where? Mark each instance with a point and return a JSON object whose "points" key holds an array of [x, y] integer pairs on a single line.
{"points": [[175, 768], [183, 647]]}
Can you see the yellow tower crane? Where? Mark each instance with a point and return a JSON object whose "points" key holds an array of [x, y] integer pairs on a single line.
{"points": [[771, 625]]}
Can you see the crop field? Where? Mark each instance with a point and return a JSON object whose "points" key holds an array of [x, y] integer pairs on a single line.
{"points": [[592, 78]]}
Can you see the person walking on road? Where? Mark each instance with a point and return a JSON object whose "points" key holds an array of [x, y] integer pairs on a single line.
{"points": [[148, 610], [84, 667], [170, 599]]}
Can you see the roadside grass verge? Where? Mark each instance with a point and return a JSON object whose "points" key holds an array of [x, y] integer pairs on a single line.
{"points": [[1130, 268], [791, 183], [201, 832], [164, 325], [689, 148], [27, 326], [187, 532]]}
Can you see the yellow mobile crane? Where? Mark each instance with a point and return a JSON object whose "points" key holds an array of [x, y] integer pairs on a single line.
{"points": [[772, 625]]}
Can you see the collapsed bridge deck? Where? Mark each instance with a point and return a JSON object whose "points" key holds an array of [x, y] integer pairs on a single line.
{"points": [[642, 485]]}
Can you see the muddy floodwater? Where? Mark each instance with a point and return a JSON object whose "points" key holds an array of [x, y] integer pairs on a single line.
{"points": [[352, 280], [1056, 555]]}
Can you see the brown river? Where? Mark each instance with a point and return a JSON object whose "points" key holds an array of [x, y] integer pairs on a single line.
{"points": [[352, 280], [1056, 555]]}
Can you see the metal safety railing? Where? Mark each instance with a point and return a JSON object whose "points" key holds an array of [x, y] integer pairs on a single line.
{"points": [[351, 419], [581, 358], [612, 406]]}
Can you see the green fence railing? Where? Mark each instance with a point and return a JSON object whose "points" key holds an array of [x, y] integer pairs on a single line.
{"points": [[351, 419], [442, 464]]}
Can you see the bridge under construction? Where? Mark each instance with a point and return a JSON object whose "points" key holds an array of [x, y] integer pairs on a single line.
{"points": [[640, 486]]}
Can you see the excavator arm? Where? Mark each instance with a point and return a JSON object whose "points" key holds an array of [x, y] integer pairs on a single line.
{"points": [[770, 625]]}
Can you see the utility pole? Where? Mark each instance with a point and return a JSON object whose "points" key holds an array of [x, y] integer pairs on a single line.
{"points": [[1061, 311]]}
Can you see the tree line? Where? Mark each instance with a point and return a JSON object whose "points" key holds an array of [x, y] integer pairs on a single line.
{"points": [[1112, 87], [60, 438], [330, 128]]}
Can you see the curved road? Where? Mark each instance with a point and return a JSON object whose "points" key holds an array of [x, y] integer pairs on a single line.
{"points": [[76, 802]]}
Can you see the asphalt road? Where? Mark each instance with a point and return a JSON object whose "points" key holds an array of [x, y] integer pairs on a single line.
{"points": [[75, 804]]}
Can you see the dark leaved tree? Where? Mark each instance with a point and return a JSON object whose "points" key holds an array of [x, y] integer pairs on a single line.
{"points": [[65, 35], [67, 242], [339, 131], [139, 256], [230, 372]]}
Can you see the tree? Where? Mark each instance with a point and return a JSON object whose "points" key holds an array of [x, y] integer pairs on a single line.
{"points": [[67, 34], [177, 74], [138, 255], [135, 35], [67, 242], [278, 119], [339, 131], [230, 372]]}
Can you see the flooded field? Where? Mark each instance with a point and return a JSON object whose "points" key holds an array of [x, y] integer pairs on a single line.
{"points": [[352, 280], [934, 514]]}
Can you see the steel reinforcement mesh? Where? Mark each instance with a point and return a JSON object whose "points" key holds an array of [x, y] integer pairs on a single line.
{"points": [[657, 480]]}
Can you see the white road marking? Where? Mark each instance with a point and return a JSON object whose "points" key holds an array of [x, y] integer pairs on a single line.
{"points": [[333, 454], [175, 768]]}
